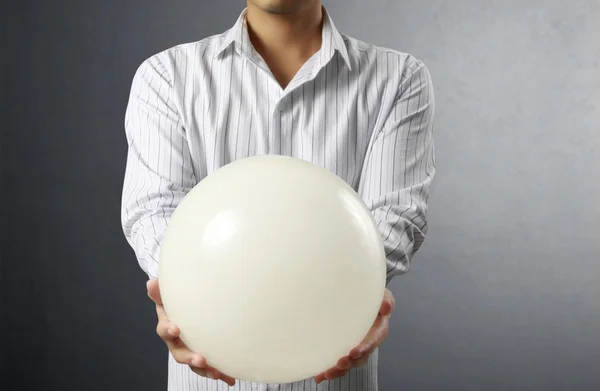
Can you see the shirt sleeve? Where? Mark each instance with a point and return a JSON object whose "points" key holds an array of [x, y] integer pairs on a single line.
{"points": [[399, 168], [158, 171]]}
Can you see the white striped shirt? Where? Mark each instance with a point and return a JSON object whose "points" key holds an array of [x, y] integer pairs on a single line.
{"points": [[361, 111]]}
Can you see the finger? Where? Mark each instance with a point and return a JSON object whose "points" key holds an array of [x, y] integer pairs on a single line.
{"points": [[356, 362], [342, 367], [183, 355], [319, 378], [169, 333], [162, 314], [215, 374], [382, 332], [200, 372], [369, 348], [230, 381], [344, 362], [378, 333], [154, 291], [208, 371], [386, 308], [387, 304], [165, 329], [363, 348], [198, 362], [358, 351], [179, 350]]}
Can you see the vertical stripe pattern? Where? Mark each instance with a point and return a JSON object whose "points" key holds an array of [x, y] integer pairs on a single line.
{"points": [[363, 112]]}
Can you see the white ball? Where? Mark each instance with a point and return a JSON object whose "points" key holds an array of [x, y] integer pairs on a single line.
{"points": [[273, 268]]}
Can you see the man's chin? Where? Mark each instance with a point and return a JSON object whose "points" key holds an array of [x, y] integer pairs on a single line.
{"points": [[281, 10], [282, 7]]}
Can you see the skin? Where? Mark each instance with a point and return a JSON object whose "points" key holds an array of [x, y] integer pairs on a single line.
{"points": [[286, 33], [357, 357], [169, 333], [360, 354]]}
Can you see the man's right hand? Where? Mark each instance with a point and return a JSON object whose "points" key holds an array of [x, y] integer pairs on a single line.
{"points": [[170, 334]]}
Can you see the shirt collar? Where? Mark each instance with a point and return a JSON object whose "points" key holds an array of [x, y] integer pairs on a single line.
{"points": [[332, 40]]}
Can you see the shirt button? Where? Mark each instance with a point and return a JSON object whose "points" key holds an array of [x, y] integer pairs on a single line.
{"points": [[283, 104]]}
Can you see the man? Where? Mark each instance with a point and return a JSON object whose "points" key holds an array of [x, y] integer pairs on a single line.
{"points": [[283, 81]]}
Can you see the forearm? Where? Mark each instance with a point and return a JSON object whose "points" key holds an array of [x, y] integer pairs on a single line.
{"points": [[401, 219], [399, 170], [144, 218], [159, 170]]}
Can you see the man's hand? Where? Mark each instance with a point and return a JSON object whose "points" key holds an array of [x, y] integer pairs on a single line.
{"points": [[360, 354], [170, 334]]}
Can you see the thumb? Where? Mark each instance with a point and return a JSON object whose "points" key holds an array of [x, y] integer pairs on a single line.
{"points": [[388, 304], [154, 291]]}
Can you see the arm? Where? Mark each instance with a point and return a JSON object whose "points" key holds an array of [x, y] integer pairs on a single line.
{"points": [[399, 169], [159, 169], [395, 183], [158, 176]]}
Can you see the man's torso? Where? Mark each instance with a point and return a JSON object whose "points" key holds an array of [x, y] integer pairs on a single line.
{"points": [[230, 107]]}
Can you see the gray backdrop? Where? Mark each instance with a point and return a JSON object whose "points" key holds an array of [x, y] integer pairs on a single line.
{"points": [[504, 295]]}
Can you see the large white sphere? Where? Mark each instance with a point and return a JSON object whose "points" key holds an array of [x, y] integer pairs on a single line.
{"points": [[273, 268]]}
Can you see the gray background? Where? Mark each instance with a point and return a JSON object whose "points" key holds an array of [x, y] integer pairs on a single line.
{"points": [[505, 293]]}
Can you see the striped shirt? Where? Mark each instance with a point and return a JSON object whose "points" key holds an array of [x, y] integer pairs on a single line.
{"points": [[363, 112]]}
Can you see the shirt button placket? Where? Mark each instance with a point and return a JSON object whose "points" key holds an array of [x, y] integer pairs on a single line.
{"points": [[285, 130]]}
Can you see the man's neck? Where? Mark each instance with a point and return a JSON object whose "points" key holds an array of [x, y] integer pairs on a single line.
{"points": [[285, 41], [299, 31]]}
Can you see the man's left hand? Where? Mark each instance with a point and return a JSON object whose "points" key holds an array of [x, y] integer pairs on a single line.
{"points": [[360, 354]]}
